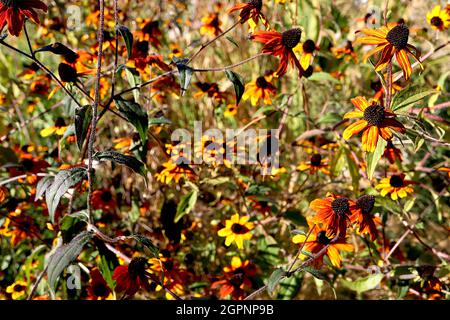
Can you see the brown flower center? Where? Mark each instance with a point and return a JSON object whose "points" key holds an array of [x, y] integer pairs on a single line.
{"points": [[238, 277], [340, 206], [106, 196], [262, 83], [18, 288], [396, 181], [366, 203], [239, 228], [100, 290], [291, 38], [257, 4], [137, 267], [316, 160], [28, 164], [436, 21], [374, 115], [398, 36], [309, 46], [322, 238]]}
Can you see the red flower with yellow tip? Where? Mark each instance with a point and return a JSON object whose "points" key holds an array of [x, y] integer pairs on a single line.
{"points": [[392, 153], [250, 11], [14, 12], [376, 121], [318, 239], [361, 215], [391, 40], [280, 45], [333, 212], [98, 288], [396, 186]]}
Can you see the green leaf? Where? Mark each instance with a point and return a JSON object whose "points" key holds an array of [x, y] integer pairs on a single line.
{"points": [[316, 273], [133, 82], [159, 121], [323, 77], [147, 243], [238, 84], [64, 180], [128, 161], [83, 117], [42, 186], [232, 41], [364, 284], [127, 37], [185, 73], [274, 279], [186, 204], [136, 115], [354, 171], [374, 157], [406, 98], [64, 255]]}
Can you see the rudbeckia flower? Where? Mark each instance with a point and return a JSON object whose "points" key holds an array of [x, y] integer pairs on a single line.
{"points": [[98, 289], [333, 212], [280, 45], [251, 12], [59, 129], [307, 53], [231, 110], [211, 90], [150, 31], [396, 186], [13, 13], [103, 200], [390, 40], [317, 240], [17, 290], [131, 278], [174, 171], [392, 153], [376, 121], [236, 278], [438, 19], [315, 164], [237, 229], [361, 215], [347, 52], [3, 194], [211, 25], [259, 89]]}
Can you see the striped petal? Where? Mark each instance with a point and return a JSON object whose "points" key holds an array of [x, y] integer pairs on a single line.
{"points": [[354, 128], [353, 114], [405, 64], [360, 103]]}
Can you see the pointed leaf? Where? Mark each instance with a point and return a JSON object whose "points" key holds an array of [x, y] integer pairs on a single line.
{"points": [[374, 157], [238, 84], [83, 117], [127, 37], [186, 204], [274, 279], [128, 161], [147, 243], [406, 98], [185, 72], [42, 186], [364, 284], [136, 115]]}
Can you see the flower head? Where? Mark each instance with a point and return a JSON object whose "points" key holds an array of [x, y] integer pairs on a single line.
{"points": [[237, 229], [98, 289], [13, 13], [376, 121], [103, 200], [131, 278], [361, 215], [396, 186], [251, 12], [175, 171], [17, 290], [261, 88], [315, 164], [211, 25], [438, 19]]}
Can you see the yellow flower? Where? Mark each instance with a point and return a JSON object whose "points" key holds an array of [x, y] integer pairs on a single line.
{"points": [[211, 25], [59, 129], [230, 111], [259, 89], [438, 19], [237, 229], [17, 289], [396, 186], [174, 171]]}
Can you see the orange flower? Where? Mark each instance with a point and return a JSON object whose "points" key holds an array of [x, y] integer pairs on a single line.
{"points": [[347, 52], [175, 171], [211, 90], [319, 239], [131, 278], [103, 200], [250, 11], [315, 164], [333, 212], [392, 153], [361, 215], [211, 25], [259, 89], [14, 13], [390, 40], [280, 45], [376, 120]]}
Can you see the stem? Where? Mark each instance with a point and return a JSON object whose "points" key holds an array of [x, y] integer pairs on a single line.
{"points": [[232, 66], [389, 86], [95, 106], [116, 54]]}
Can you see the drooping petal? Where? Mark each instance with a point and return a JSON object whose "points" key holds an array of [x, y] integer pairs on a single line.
{"points": [[354, 128], [405, 64]]}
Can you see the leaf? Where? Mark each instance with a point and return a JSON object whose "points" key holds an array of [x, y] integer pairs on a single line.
{"points": [[159, 121], [238, 84], [323, 77], [133, 83], [64, 180], [406, 98], [64, 255], [274, 279], [374, 157], [185, 73], [232, 41], [42, 186], [127, 37], [316, 273], [128, 161], [354, 171], [136, 115], [147, 243], [83, 117], [364, 284], [186, 204]]}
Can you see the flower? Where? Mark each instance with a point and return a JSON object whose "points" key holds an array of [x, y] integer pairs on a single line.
{"points": [[131, 278], [237, 229], [211, 90], [103, 200], [307, 53], [438, 19], [280, 45], [392, 153], [250, 11], [333, 212], [361, 215], [231, 110], [236, 278], [319, 239], [390, 40], [396, 186], [376, 120], [347, 52], [150, 31], [211, 25], [315, 164], [13, 12], [259, 89], [98, 289], [19, 227], [17, 289], [59, 129], [3, 194], [175, 171]]}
